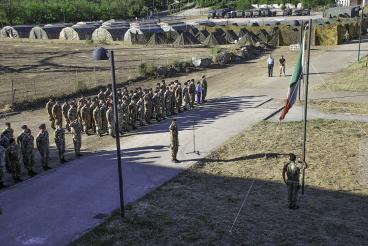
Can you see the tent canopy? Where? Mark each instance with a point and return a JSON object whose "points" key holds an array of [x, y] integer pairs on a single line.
{"points": [[105, 33], [20, 31], [46, 32], [77, 32], [215, 38], [185, 38]]}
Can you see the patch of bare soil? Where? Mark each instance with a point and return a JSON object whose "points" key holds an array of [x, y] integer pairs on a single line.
{"points": [[199, 206]]}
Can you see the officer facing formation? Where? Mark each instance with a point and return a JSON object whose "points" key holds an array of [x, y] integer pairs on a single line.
{"points": [[42, 143], [292, 171], [174, 134]]}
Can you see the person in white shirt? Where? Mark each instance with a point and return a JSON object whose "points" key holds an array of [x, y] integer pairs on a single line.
{"points": [[270, 63]]}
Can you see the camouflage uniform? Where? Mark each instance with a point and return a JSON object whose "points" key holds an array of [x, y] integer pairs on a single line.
{"points": [[77, 136], [204, 89], [179, 97], [192, 92], [42, 142], [103, 110], [110, 121], [140, 108], [49, 106], [98, 120], [27, 146], [12, 158], [120, 118], [132, 114], [4, 143], [72, 113], [65, 109], [91, 109], [147, 108], [57, 114], [59, 135], [186, 98], [168, 102], [292, 171], [174, 140], [156, 106], [101, 96], [124, 108], [80, 105], [86, 117], [162, 103], [173, 100]]}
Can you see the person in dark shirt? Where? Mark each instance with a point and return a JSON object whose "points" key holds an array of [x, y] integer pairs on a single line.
{"points": [[282, 65]]}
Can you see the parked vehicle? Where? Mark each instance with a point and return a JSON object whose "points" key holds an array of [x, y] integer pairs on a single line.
{"points": [[256, 13], [240, 14], [231, 14], [287, 12], [297, 12], [211, 14], [305, 12], [248, 13]]}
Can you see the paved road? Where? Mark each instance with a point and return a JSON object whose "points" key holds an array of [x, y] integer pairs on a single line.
{"points": [[58, 206]]}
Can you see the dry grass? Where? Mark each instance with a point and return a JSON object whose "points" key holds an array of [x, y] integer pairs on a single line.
{"points": [[199, 206], [43, 68], [352, 78], [340, 107]]}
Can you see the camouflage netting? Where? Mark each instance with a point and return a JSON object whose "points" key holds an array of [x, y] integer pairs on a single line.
{"points": [[215, 38], [289, 35], [106, 33], [157, 39], [326, 35], [186, 38], [202, 35], [21, 31]]}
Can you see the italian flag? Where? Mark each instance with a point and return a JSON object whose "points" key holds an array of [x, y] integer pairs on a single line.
{"points": [[294, 83]]}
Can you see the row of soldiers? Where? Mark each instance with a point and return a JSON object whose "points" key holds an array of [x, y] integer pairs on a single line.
{"points": [[95, 115], [14, 151], [139, 106]]}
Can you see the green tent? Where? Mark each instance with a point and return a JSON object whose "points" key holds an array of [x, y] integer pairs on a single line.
{"points": [[186, 38], [247, 38], [230, 36], [202, 35], [157, 39], [214, 39]]}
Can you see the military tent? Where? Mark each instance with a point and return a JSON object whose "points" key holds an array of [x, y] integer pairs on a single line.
{"points": [[141, 35], [157, 39], [109, 33], [202, 35], [113, 22], [46, 32], [214, 39], [247, 38], [230, 36], [186, 38], [77, 32], [21, 31]]}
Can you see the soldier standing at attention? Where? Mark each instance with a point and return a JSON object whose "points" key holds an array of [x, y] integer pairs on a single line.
{"points": [[110, 121], [12, 158], [86, 117], [192, 93], [282, 65], [3, 145], [42, 142], [27, 146], [98, 120], [57, 114], [9, 129], [77, 136], [186, 96], [72, 112], [49, 106], [204, 88], [59, 136], [292, 171], [174, 140], [65, 109], [103, 110]]}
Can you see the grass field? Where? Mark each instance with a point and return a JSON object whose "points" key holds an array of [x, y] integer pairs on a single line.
{"points": [[352, 78], [42, 68], [199, 206], [340, 107]]}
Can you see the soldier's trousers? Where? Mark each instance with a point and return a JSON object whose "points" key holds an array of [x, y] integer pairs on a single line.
{"points": [[168, 109], [14, 167], [293, 187], [61, 151], [192, 100], [111, 130], [28, 160], [77, 146], [44, 157], [67, 124], [2, 162], [52, 121], [86, 126], [59, 121], [174, 151]]}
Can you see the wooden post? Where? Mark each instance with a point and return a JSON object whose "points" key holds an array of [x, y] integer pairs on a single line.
{"points": [[12, 92]]}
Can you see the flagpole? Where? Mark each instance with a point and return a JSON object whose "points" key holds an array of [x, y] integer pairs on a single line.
{"points": [[301, 44], [306, 101]]}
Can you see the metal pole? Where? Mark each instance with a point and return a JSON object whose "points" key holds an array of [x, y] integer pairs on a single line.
{"points": [[360, 34], [301, 43], [117, 136], [306, 101], [194, 147]]}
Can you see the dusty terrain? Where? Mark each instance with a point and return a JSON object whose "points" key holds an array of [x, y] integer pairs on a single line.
{"points": [[41, 68], [200, 205]]}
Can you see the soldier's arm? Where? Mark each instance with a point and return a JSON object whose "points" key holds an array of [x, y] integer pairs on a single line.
{"points": [[19, 139], [284, 172]]}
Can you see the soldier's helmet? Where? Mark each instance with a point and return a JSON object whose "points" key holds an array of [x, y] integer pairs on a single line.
{"points": [[24, 127], [42, 126]]}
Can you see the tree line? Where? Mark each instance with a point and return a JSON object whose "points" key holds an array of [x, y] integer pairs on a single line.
{"points": [[16, 12]]}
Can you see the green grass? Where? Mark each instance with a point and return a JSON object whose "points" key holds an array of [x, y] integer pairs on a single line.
{"points": [[198, 207], [352, 78]]}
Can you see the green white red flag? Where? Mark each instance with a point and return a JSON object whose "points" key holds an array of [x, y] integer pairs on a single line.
{"points": [[294, 83]]}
